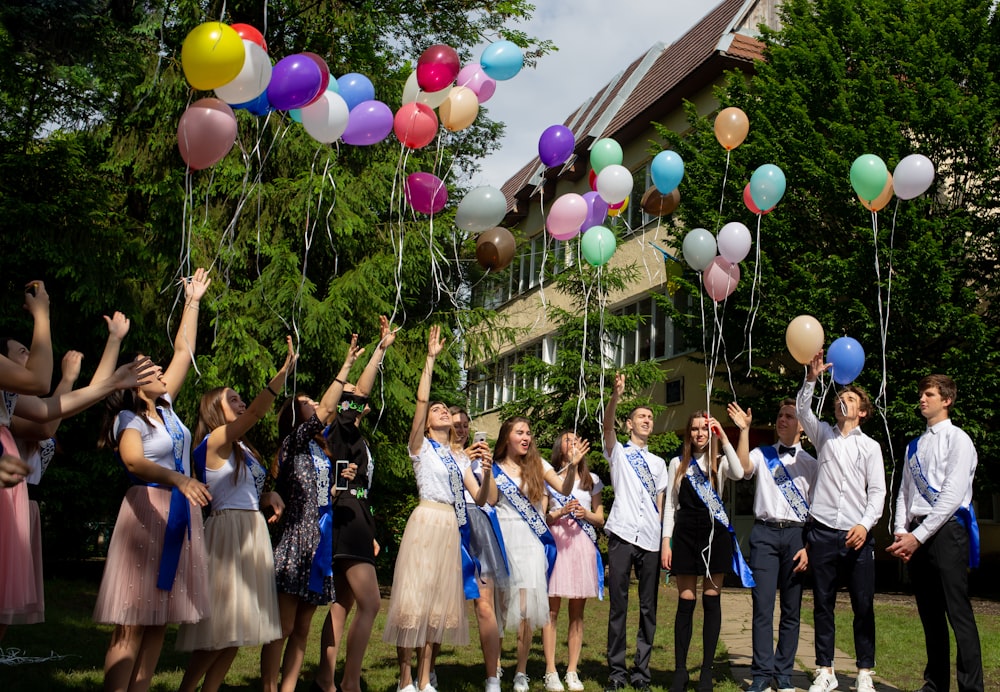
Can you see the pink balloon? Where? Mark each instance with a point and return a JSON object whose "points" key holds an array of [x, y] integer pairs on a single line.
{"points": [[566, 216], [437, 67], [425, 192], [206, 132], [482, 84], [720, 278], [748, 201]]}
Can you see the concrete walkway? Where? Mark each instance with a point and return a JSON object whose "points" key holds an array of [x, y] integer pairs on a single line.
{"points": [[737, 618]]}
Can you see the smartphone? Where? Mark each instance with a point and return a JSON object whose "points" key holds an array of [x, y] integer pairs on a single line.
{"points": [[479, 437], [340, 483]]}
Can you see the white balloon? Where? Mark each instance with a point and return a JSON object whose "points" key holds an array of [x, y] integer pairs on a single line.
{"points": [[412, 92], [698, 248], [326, 120], [734, 241], [913, 175], [614, 183], [252, 79]]}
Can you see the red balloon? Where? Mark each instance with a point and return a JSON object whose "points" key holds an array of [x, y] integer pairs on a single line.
{"points": [[437, 67], [593, 180], [425, 192], [415, 124], [249, 33], [748, 201], [324, 70], [206, 132]]}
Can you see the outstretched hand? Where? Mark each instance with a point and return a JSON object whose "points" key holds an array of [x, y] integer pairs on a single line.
{"points": [[740, 418], [387, 335], [353, 351], [291, 357], [435, 344], [134, 374], [195, 286], [816, 367], [36, 299], [71, 364], [619, 387], [118, 325]]}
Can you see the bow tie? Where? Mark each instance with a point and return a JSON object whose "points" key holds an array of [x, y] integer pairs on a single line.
{"points": [[782, 449]]}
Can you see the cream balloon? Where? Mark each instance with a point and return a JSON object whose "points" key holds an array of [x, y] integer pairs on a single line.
{"points": [[413, 92], [804, 338], [459, 110]]}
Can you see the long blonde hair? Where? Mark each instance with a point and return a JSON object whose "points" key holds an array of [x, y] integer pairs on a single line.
{"points": [[210, 417], [687, 452]]}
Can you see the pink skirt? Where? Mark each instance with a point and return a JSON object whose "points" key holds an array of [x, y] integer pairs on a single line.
{"points": [[128, 594], [575, 572], [19, 593]]}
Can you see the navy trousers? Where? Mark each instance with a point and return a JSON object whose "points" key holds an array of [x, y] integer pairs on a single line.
{"points": [[771, 553]]}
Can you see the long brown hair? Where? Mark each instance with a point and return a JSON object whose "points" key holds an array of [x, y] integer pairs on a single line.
{"points": [[532, 474], [687, 452], [452, 436], [290, 417], [559, 459], [210, 417], [123, 400]]}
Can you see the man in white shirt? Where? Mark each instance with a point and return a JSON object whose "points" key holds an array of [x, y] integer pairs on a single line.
{"points": [[847, 501], [933, 529], [639, 478], [785, 474]]}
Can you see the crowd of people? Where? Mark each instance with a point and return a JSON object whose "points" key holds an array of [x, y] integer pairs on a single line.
{"points": [[501, 527]]}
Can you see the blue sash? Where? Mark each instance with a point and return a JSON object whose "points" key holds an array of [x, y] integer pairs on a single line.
{"points": [[591, 532], [784, 482], [966, 515], [470, 566], [199, 464], [495, 525], [179, 515], [713, 502], [322, 562], [641, 468], [530, 515]]}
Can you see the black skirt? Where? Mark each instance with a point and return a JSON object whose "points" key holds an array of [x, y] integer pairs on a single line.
{"points": [[696, 549], [353, 529]]}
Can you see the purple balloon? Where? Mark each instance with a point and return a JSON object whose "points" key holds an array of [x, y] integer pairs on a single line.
{"points": [[369, 123], [555, 145], [295, 81], [597, 210], [355, 88], [425, 192]]}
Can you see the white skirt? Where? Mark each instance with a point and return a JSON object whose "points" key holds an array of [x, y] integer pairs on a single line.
{"points": [[526, 595]]}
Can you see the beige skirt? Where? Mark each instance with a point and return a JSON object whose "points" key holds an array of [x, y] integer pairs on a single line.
{"points": [[428, 602]]}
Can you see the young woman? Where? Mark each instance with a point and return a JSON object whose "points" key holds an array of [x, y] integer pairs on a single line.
{"points": [[240, 559], [521, 476], [697, 537], [302, 556], [155, 572], [578, 574], [434, 572]]}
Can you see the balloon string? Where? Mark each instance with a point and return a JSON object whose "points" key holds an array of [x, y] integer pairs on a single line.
{"points": [[722, 198], [755, 298]]}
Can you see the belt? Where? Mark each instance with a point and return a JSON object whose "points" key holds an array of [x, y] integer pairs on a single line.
{"points": [[780, 524]]}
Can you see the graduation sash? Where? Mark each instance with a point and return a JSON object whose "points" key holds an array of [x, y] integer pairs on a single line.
{"points": [[713, 502], [530, 515], [784, 482], [179, 515], [322, 562], [588, 528], [470, 566], [641, 468]]}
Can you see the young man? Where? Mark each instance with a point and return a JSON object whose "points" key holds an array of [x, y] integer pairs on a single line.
{"points": [[935, 526], [639, 478], [785, 475], [847, 501]]}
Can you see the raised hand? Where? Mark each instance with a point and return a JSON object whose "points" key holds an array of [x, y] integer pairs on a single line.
{"points": [[291, 357], [740, 418], [387, 335], [435, 344], [71, 363], [817, 366], [134, 374], [118, 325], [36, 299], [353, 351], [619, 387], [195, 286]]}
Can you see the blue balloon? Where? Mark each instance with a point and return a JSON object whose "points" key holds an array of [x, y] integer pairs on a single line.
{"points": [[767, 186], [667, 170], [502, 60], [848, 359], [257, 106], [355, 88]]}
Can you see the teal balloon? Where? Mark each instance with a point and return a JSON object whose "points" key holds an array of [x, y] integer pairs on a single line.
{"points": [[598, 245], [767, 186], [667, 170], [869, 176], [699, 248], [296, 114], [501, 60], [606, 152]]}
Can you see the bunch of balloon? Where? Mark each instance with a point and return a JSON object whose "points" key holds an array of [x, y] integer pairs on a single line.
{"points": [[848, 359], [868, 177], [804, 338], [884, 197], [731, 127], [495, 249], [369, 120]]}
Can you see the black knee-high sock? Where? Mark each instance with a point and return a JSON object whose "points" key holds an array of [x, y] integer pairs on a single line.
{"points": [[710, 637], [682, 641]]}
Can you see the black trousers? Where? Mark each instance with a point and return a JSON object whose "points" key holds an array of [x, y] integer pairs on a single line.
{"points": [[623, 557], [771, 553], [939, 572]]}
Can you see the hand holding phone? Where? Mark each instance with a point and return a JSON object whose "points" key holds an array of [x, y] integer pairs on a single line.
{"points": [[340, 481], [480, 436]]}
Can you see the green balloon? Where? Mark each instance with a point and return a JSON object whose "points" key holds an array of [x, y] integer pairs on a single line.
{"points": [[597, 245], [607, 152], [868, 176]]}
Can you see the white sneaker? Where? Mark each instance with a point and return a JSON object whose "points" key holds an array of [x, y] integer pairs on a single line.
{"points": [[552, 682], [409, 688], [573, 683], [864, 683], [492, 684], [429, 688], [520, 682], [824, 681]]}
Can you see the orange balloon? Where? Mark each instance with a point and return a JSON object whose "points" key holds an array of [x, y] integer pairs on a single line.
{"points": [[884, 197], [460, 109], [731, 127]]}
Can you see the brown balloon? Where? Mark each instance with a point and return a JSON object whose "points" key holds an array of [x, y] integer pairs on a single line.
{"points": [[495, 249], [655, 203]]}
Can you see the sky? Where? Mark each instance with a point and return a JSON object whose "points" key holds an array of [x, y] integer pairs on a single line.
{"points": [[597, 39]]}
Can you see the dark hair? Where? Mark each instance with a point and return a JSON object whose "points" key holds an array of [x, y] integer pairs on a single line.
{"points": [[559, 458], [687, 452], [5, 345], [531, 465], [945, 385], [787, 401], [865, 402], [123, 400], [210, 417], [638, 408]]}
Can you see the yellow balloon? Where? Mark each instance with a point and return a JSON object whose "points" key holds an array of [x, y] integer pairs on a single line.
{"points": [[804, 338], [619, 210], [212, 55], [460, 109]]}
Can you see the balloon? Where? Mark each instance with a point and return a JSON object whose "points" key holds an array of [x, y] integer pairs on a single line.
{"points": [[748, 201], [212, 55], [415, 125], [656, 204], [555, 145], [666, 170], [731, 127], [884, 197], [597, 245], [848, 359], [734, 241], [699, 248], [252, 80], [501, 60], [566, 216], [617, 209], [369, 123], [804, 338], [597, 209], [425, 192], [412, 92], [437, 67], [868, 174], [326, 119], [481, 209], [205, 133], [258, 106], [605, 152], [324, 71], [355, 88], [721, 277], [249, 33], [482, 85], [295, 81], [614, 183], [913, 175], [767, 186], [592, 179], [495, 249], [459, 110]]}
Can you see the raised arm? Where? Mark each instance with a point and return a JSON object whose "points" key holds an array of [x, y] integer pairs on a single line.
{"points": [[387, 335], [327, 407], [742, 419], [29, 430], [36, 376], [435, 344], [187, 333], [610, 434], [118, 326]]}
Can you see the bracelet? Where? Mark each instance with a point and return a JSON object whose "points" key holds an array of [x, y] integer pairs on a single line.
{"points": [[338, 380], [273, 393]]}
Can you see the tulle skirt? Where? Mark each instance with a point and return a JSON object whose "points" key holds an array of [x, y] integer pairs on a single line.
{"points": [[128, 594], [526, 596], [486, 548], [575, 572], [22, 600], [428, 601], [241, 579]]}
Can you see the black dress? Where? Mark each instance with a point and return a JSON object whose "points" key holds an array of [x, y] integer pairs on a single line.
{"points": [[690, 540], [353, 524]]}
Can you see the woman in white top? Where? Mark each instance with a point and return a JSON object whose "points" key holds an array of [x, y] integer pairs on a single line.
{"points": [[428, 594], [695, 543]]}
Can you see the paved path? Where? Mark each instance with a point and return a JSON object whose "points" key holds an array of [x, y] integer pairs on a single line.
{"points": [[737, 610]]}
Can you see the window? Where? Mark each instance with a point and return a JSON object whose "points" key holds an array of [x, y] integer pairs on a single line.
{"points": [[654, 338], [494, 384], [674, 391]]}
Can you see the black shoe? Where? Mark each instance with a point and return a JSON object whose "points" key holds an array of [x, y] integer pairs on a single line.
{"points": [[640, 685], [615, 686], [680, 681]]}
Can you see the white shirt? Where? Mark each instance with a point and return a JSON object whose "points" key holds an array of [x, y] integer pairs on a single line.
{"points": [[769, 503], [850, 485], [584, 497], [633, 517], [729, 467], [948, 459], [433, 480]]}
